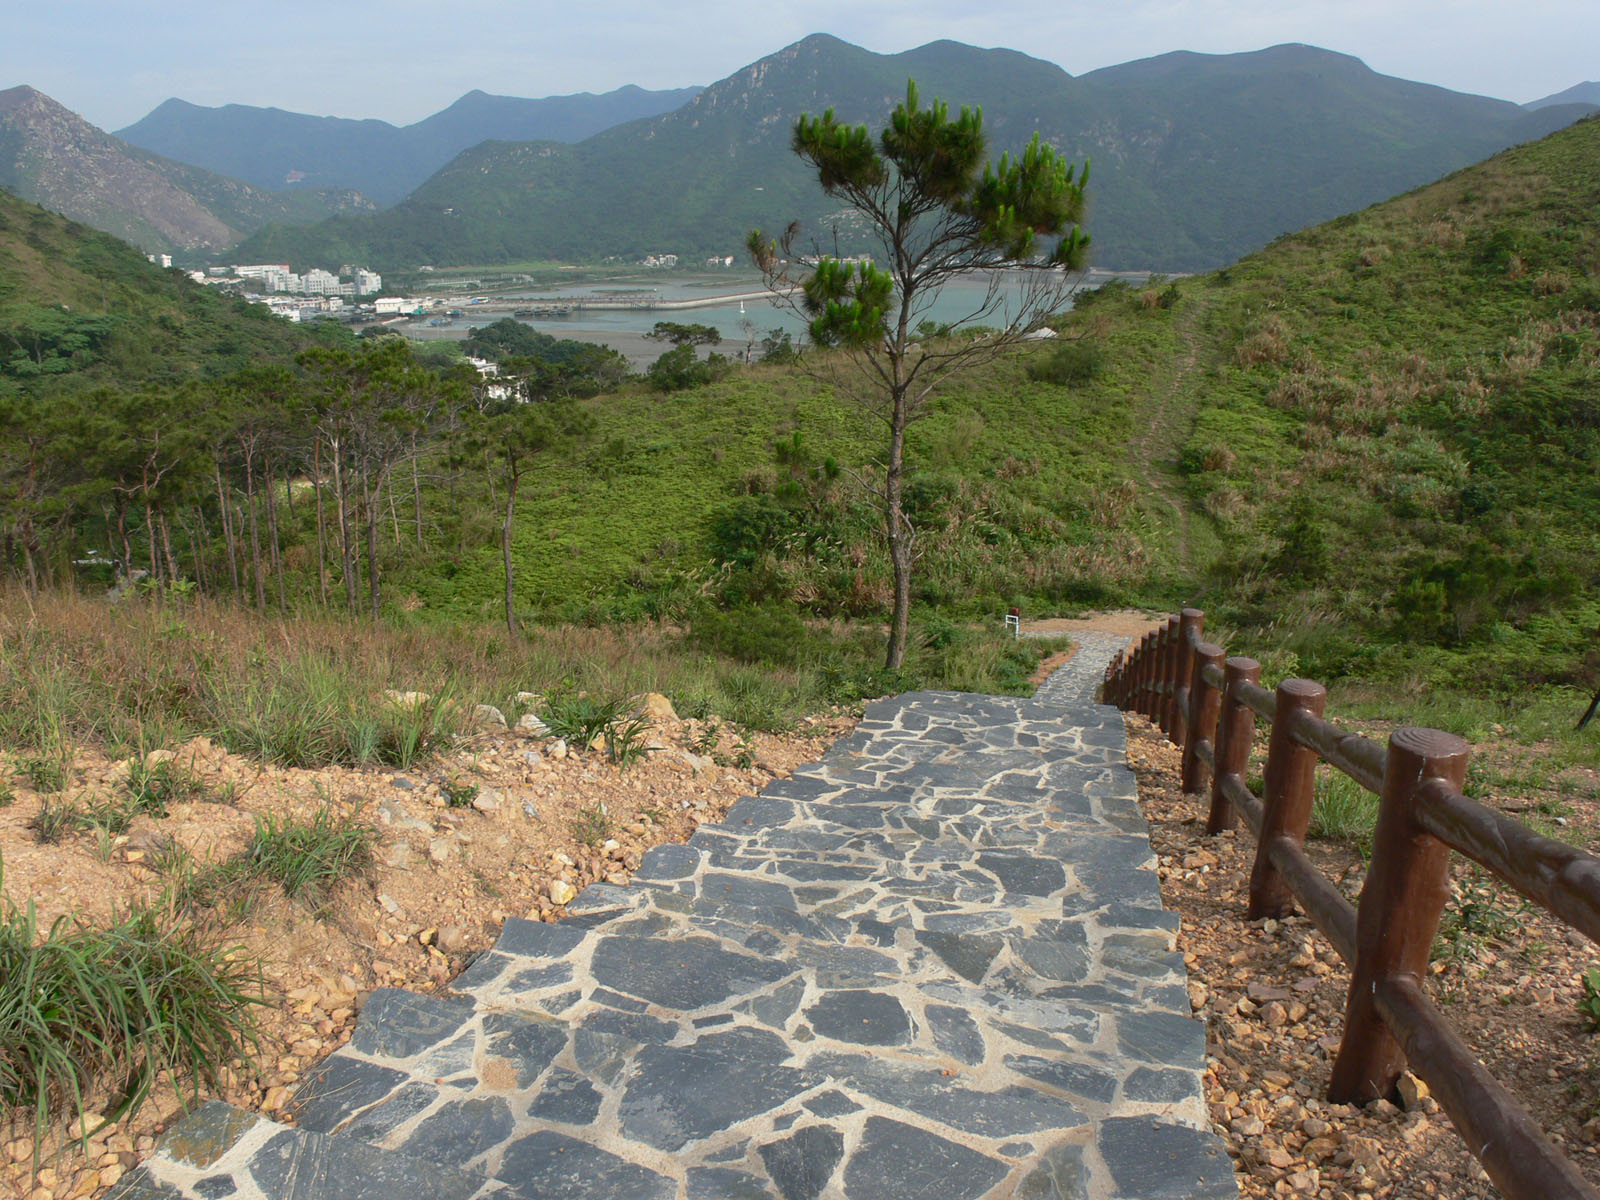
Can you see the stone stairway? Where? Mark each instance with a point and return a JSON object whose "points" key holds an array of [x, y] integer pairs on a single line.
{"points": [[932, 964]]}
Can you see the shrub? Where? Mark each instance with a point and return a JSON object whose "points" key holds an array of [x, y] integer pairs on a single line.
{"points": [[1072, 364], [769, 634]]}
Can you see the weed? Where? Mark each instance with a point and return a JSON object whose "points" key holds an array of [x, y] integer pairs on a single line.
{"points": [[458, 793], [1480, 914], [743, 756], [44, 774], [1589, 1003], [592, 825], [56, 819], [152, 789], [706, 740], [580, 719], [86, 1011], [7, 796], [625, 739], [307, 858]]}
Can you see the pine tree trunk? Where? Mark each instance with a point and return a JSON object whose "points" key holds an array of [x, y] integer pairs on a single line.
{"points": [[322, 536], [371, 499], [255, 533], [227, 533], [127, 542], [347, 555], [150, 542], [416, 491], [505, 548], [166, 546], [898, 533], [272, 530]]}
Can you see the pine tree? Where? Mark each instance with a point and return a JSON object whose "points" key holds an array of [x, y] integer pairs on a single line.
{"points": [[936, 213]]}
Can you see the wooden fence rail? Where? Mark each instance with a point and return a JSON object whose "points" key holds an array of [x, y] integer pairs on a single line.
{"points": [[1209, 704]]}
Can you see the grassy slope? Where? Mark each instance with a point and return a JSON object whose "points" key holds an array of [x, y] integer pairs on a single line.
{"points": [[1397, 434]]}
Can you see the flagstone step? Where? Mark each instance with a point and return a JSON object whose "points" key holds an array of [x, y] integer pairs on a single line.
{"points": [[221, 1151], [932, 964]]}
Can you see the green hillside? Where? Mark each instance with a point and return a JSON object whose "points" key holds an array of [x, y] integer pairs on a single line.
{"points": [[1375, 444], [51, 156], [1372, 449], [78, 307], [1197, 158]]}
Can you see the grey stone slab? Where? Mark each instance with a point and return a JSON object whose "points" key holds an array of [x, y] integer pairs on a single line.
{"points": [[1157, 1160], [896, 1161], [219, 1151], [801, 1164]]}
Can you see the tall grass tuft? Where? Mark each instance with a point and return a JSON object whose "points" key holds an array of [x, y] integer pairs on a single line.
{"points": [[306, 858], [95, 1016], [1342, 810]]}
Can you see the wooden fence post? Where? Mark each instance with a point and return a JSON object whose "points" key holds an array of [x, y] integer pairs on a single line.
{"points": [[1236, 733], [1147, 658], [1290, 782], [1190, 622], [1167, 671], [1200, 725], [1406, 889]]}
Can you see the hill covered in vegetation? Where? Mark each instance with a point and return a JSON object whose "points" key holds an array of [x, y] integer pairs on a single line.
{"points": [[79, 307], [1372, 447], [1197, 158]]}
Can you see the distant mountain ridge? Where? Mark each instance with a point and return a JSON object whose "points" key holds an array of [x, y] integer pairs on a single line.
{"points": [[1197, 158], [1579, 93], [51, 156], [273, 148]]}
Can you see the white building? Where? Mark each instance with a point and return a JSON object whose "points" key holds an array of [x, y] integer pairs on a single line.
{"points": [[259, 270], [367, 283]]}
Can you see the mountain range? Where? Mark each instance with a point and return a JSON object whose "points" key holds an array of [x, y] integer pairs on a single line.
{"points": [[53, 157], [1196, 158], [271, 148], [1581, 93]]}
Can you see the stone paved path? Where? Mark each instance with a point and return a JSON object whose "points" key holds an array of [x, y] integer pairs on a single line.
{"points": [[932, 964]]}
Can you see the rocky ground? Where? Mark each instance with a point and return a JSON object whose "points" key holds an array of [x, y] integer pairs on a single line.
{"points": [[1272, 994], [533, 821]]}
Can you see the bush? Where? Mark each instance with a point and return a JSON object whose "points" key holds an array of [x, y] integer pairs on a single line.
{"points": [[1072, 364], [678, 369], [769, 634]]}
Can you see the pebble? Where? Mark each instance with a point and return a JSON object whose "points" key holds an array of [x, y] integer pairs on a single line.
{"points": [[561, 892]]}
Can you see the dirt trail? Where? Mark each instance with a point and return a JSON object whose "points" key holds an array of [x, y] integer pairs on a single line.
{"points": [[1153, 454]]}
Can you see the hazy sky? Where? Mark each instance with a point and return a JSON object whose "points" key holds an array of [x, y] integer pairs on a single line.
{"points": [[114, 60]]}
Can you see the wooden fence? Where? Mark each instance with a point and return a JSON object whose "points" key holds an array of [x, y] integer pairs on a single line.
{"points": [[1209, 705]]}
